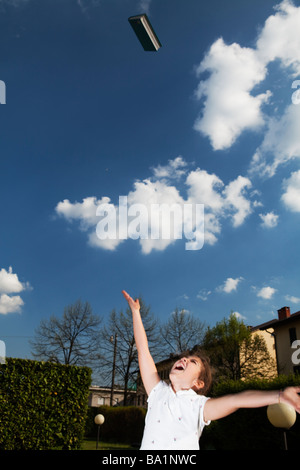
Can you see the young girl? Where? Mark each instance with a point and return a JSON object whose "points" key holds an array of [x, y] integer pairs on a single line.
{"points": [[177, 413]]}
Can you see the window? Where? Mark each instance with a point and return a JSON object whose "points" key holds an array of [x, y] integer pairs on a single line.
{"points": [[101, 400], [293, 336], [296, 369]]}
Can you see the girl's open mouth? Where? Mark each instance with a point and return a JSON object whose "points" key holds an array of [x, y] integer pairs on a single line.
{"points": [[180, 367]]}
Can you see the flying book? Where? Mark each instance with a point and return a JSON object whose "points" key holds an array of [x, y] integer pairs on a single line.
{"points": [[145, 33]]}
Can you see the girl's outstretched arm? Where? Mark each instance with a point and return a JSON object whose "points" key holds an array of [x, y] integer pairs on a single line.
{"points": [[217, 408], [147, 366]]}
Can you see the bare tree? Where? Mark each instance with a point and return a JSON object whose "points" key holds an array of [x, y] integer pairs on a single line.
{"points": [[181, 332], [72, 339]]}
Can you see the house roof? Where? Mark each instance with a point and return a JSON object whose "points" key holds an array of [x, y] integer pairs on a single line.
{"points": [[277, 322]]}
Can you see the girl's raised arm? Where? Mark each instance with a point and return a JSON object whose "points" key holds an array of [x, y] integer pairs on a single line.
{"points": [[147, 366]]}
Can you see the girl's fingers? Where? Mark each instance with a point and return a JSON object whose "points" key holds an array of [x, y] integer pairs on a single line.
{"points": [[136, 302], [127, 296]]}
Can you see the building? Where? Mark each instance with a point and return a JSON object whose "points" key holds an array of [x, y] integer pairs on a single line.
{"points": [[101, 396], [283, 334]]}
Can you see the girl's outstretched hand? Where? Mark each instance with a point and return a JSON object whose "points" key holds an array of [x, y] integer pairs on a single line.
{"points": [[291, 396], [133, 304]]}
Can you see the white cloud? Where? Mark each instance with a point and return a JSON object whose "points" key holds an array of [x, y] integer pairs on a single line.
{"points": [[236, 200], [10, 304], [203, 294], [266, 292], [229, 285], [281, 143], [230, 105], [293, 299], [184, 297], [149, 193], [173, 170], [9, 284], [145, 194], [221, 202], [207, 188], [280, 40], [269, 220], [85, 213], [229, 108], [280, 37], [239, 316], [291, 196]]}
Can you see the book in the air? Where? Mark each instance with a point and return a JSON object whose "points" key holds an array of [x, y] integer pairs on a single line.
{"points": [[145, 33]]}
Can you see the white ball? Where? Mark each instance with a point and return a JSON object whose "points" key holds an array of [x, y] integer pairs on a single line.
{"points": [[281, 415], [99, 419]]}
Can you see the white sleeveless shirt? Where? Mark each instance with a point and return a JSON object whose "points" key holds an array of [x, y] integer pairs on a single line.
{"points": [[173, 420]]}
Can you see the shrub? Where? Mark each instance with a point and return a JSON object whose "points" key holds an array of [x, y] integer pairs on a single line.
{"points": [[123, 424], [43, 405]]}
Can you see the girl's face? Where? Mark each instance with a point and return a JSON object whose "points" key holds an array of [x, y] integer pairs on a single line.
{"points": [[185, 374]]}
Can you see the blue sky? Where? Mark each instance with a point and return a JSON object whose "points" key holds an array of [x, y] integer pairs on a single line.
{"points": [[211, 118]]}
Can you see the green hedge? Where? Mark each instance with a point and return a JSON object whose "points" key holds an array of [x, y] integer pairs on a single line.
{"points": [[250, 429], [124, 424], [43, 405]]}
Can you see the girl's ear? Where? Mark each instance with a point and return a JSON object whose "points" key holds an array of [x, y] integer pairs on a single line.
{"points": [[198, 384]]}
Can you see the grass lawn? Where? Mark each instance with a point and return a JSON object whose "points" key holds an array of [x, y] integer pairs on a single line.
{"points": [[90, 444]]}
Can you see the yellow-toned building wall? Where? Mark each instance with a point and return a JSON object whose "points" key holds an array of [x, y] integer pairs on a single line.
{"points": [[268, 336], [269, 339]]}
